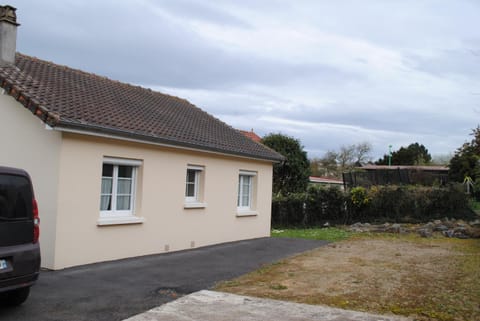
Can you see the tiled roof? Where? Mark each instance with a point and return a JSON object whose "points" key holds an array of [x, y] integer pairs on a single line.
{"points": [[72, 99], [251, 134]]}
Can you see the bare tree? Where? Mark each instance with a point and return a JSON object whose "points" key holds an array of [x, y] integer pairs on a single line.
{"points": [[334, 163], [346, 157], [326, 165], [362, 153]]}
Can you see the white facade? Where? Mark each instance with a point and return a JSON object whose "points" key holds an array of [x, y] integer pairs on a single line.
{"points": [[154, 211]]}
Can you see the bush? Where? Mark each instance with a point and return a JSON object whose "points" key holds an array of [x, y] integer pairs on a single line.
{"points": [[288, 210], [451, 202], [400, 204], [323, 205], [389, 203]]}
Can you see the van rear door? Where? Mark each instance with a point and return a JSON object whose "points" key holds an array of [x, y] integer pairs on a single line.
{"points": [[16, 216]]}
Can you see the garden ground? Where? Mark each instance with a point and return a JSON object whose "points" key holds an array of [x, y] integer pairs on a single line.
{"points": [[427, 279]]}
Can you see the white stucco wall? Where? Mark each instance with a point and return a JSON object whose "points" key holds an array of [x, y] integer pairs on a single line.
{"points": [[26, 143], [168, 225]]}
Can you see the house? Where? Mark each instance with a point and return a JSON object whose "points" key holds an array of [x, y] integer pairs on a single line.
{"points": [[369, 175], [434, 169], [122, 171], [326, 181]]}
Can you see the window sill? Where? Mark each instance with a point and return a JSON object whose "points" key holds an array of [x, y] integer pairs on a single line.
{"points": [[246, 213], [194, 205], [121, 220]]}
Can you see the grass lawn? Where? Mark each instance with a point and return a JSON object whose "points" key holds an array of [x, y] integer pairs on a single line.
{"points": [[427, 279]]}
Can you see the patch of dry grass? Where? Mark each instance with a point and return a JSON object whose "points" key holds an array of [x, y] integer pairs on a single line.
{"points": [[428, 279]]}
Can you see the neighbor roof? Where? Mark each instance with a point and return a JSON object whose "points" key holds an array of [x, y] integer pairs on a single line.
{"points": [[251, 134], [67, 98], [328, 180], [413, 167]]}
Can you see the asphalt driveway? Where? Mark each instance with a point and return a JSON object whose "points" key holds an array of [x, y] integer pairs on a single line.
{"points": [[120, 289]]}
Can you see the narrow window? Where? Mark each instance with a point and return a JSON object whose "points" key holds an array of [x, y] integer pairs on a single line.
{"points": [[191, 188], [193, 184], [246, 186], [244, 191]]}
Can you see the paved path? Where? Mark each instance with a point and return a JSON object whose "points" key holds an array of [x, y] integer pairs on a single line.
{"points": [[117, 290], [217, 306]]}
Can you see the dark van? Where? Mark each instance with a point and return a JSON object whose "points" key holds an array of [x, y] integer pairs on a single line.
{"points": [[19, 232]]}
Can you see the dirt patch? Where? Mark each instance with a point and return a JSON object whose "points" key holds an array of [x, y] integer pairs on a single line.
{"points": [[428, 279]]}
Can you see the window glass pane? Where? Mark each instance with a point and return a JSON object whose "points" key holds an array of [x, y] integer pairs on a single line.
{"points": [[107, 185], [125, 171], [190, 192], [191, 176], [239, 190], [106, 197], [244, 185], [15, 197], [106, 203], [191, 187], [124, 186], [245, 200], [107, 170], [123, 203]]}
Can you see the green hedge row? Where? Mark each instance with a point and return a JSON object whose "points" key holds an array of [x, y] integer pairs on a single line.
{"points": [[400, 204]]}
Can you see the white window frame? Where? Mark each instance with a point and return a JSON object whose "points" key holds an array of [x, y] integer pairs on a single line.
{"points": [[114, 216], [243, 210], [196, 200]]}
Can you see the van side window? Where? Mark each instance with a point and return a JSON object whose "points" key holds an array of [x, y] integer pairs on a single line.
{"points": [[15, 197]]}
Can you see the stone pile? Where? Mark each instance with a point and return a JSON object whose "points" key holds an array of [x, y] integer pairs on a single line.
{"points": [[446, 227]]}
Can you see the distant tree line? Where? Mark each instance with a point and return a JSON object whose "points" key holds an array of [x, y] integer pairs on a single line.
{"points": [[292, 175], [413, 154]]}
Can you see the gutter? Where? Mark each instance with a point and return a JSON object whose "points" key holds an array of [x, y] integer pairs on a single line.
{"points": [[105, 132]]}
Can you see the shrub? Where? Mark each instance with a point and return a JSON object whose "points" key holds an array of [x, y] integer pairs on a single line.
{"points": [[402, 204], [389, 203], [288, 210], [324, 205]]}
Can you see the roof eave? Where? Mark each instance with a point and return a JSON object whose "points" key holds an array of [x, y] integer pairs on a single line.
{"points": [[96, 130], [34, 106]]}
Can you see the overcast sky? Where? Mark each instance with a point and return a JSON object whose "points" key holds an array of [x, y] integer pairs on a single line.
{"points": [[329, 73]]}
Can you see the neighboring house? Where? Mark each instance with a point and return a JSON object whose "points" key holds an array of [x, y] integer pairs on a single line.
{"points": [[425, 168], [252, 135], [326, 181], [369, 175], [122, 171]]}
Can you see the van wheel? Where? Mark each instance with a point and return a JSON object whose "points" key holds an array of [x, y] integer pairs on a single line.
{"points": [[17, 296]]}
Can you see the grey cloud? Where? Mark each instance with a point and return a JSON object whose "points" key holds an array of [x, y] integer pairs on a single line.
{"points": [[464, 62], [204, 11], [138, 47]]}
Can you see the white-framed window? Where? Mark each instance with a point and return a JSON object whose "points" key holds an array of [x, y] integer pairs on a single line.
{"points": [[194, 186], [246, 186], [118, 187]]}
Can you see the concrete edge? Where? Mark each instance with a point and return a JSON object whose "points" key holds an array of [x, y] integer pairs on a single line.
{"points": [[208, 305]]}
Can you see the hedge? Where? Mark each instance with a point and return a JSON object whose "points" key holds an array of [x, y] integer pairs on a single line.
{"points": [[396, 204]]}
